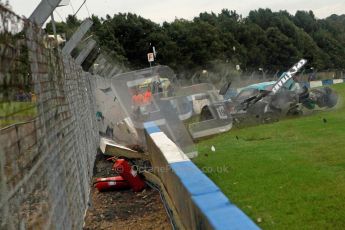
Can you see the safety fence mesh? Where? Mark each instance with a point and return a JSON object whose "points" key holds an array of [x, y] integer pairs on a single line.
{"points": [[48, 131]]}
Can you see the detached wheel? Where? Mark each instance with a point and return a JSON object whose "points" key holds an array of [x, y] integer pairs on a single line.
{"points": [[325, 97], [332, 99]]}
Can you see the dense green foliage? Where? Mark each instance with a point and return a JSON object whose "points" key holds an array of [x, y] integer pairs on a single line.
{"points": [[285, 175], [266, 39]]}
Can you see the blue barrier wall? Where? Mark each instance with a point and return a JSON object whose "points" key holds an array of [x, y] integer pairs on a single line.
{"points": [[198, 201], [314, 84]]}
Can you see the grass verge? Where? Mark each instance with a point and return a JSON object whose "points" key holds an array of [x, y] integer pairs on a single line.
{"points": [[286, 175]]}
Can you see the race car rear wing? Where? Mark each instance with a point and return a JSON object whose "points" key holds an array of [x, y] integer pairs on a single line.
{"points": [[288, 75], [278, 85]]}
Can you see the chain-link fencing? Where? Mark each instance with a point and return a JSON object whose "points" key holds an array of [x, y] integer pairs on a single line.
{"points": [[48, 131]]}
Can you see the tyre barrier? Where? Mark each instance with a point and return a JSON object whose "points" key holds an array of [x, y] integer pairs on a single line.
{"points": [[199, 202]]}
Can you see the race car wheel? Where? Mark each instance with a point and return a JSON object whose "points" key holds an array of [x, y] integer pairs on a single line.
{"points": [[325, 97], [205, 114]]}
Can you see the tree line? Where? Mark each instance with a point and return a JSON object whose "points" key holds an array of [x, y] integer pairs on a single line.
{"points": [[264, 39]]}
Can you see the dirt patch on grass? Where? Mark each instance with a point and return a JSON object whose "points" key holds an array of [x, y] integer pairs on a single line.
{"points": [[123, 209]]}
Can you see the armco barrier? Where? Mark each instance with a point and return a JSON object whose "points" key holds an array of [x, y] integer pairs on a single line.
{"points": [[199, 202]]}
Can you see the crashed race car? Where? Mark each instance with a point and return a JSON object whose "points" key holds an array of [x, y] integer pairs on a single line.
{"points": [[268, 101], [206, 110]]}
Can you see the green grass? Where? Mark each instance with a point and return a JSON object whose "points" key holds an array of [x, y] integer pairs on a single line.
{"points": [[15, 112], [286, 175]]}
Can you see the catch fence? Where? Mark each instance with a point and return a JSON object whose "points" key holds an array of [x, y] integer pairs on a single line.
{"points": [[48, 130]]}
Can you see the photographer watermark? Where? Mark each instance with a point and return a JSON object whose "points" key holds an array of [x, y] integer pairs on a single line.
{"points": [[165, 169]]}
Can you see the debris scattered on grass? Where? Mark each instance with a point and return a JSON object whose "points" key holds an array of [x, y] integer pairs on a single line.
{"points": [[257, 138], [213, 149]]}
